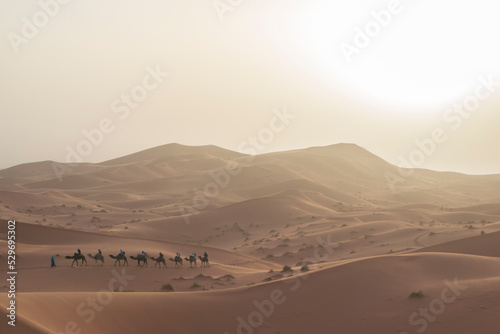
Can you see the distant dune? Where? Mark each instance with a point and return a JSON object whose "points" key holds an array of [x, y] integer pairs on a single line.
{"points": [[367, 243]]}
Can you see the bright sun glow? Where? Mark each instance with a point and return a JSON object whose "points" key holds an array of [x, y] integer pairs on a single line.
{"points": [[417, 62]]}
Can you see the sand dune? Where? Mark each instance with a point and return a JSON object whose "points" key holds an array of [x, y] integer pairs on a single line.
{"points": [[341, 298], [368, 245]]}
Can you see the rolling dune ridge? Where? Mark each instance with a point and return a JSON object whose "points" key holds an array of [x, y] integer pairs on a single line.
{"points": [[367, 245]]}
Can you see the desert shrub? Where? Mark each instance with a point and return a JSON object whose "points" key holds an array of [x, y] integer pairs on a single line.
{"points": [[418, 294], [287, 269], [195, 285], [305, 268], [167, 287]]}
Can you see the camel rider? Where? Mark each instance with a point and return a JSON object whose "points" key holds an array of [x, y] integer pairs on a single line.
{"points": [[161, 255], [122, 253], [177, 256], [205, 255], [143, 254], [193, 256], [99, 251], [79, 251]]}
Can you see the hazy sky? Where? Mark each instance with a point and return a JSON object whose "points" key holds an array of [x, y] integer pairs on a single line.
{"points": [[381, 74]]}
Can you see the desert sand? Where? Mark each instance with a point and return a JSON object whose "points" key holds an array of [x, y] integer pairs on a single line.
{"points": [[357, 246]]}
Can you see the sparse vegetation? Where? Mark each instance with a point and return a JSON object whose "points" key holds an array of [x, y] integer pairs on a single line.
{"points": [[167, 287], [195, 285], [305, 268], [287, 269], [418, 294]]}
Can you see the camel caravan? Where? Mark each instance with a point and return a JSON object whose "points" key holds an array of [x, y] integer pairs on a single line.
{"points": [[141, 258]]}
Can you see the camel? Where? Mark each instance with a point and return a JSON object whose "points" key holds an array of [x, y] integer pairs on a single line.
{"points": [[77, 257], [140, 258], [204, 261], [97, 257], [191, 259], [178, 261], [119, 258], [159, 261]]}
